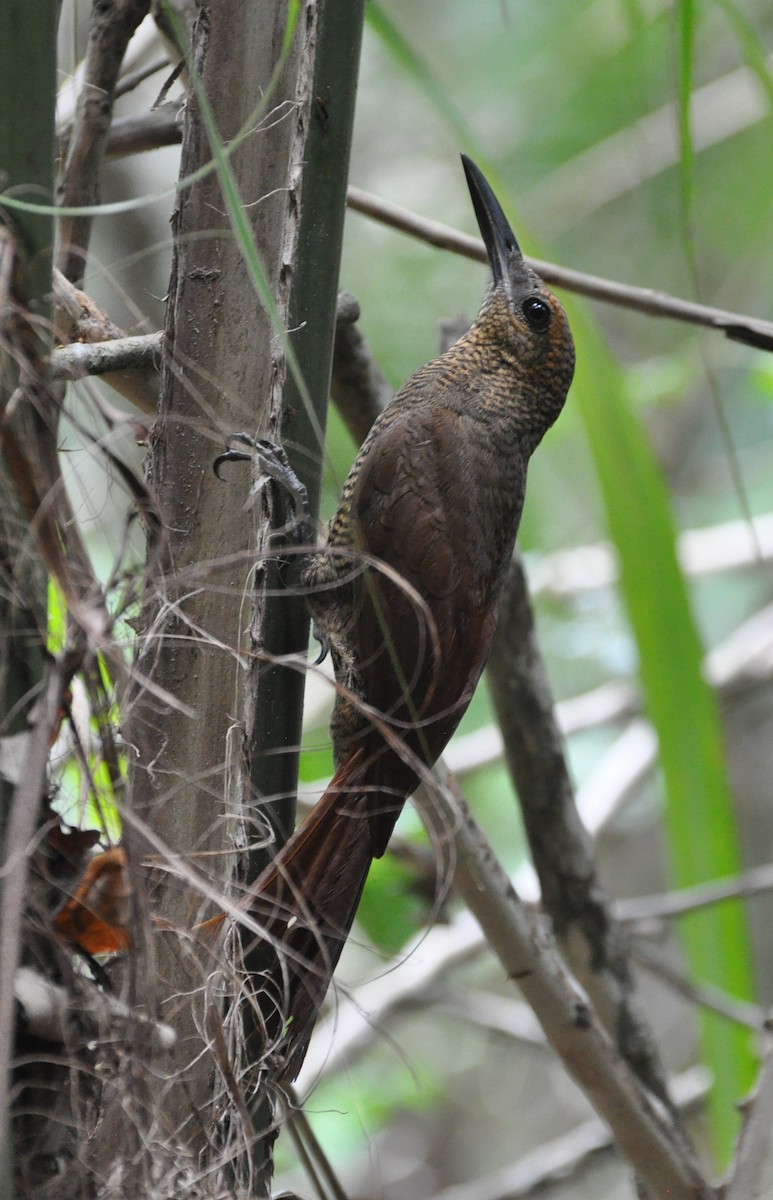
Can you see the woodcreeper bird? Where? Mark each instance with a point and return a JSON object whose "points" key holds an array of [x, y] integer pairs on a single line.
{"points": [[405, 596]]}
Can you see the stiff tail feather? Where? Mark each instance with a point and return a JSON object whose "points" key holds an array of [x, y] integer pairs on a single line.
{"points": [[305, 901]]}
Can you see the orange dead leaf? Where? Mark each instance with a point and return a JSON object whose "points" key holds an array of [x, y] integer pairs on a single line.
{"points": [[96, 917]]}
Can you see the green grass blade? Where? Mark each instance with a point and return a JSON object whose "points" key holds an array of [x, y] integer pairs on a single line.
{"points": [[750, 45], [699, 816], [685, 50], [686, 41], [417, 69]]}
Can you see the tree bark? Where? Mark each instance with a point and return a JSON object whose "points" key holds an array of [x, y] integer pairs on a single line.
{"points": [[203, 731], [27, 90]]}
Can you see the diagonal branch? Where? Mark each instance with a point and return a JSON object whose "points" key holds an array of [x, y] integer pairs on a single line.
{"points": [[560, 846], [751, 330], [752, 1171], [642, 1128], [112, 26], [135, 134]]}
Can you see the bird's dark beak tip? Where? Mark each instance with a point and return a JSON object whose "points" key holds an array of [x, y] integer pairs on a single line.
{"points": [[501, 242]]}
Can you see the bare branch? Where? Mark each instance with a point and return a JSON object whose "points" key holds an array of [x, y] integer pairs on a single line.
{"points": [[112, 27], [131, 365], [105, 358], [561, 848], [136, 134], [129, 80], [315, 1160], [55, 1014], [642, 1128], [751, 330], [563, 1155], [140, 132], [644, 909], [751, 1176]]}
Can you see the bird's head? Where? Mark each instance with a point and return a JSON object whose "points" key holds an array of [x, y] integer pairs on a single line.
{"points": [[520, 314]]}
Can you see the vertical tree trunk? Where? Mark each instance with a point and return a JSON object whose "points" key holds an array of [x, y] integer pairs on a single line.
{"points": [[198, 732], [328, 79], [27, 89]]}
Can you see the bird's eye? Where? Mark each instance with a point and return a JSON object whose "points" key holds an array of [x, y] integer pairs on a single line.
{"points": [[537, 312]]}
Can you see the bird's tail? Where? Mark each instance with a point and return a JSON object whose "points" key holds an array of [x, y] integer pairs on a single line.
{"points": [[305, 903]]}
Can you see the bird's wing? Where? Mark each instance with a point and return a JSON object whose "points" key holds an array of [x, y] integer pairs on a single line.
{"points": [[424, 621]]}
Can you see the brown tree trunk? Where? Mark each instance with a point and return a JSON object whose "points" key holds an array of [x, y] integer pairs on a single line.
{"points": [[198, 731]]}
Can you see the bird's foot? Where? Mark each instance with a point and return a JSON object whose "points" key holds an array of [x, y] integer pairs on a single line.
{"points": [[273, 467], [324, 646]]}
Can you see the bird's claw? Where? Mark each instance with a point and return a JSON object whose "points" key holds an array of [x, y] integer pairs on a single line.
{"points": [[272, 465], [324, 648], [228, 456]]}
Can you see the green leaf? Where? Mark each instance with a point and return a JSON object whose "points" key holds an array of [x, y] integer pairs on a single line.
{"points": [[686, 41], [700, 823], [418, 70], [750, 45], [57, 618], [390, 910]]}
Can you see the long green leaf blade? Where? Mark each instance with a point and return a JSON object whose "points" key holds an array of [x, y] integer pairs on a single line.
{"points": [[418, 70], [699, 816]]}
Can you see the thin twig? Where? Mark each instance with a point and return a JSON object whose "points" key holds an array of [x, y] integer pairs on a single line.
{"points": [[751, 1175], [132, 79], [136, 134], [654, 960], [317, 1162], [643, 909], [751, 330]]}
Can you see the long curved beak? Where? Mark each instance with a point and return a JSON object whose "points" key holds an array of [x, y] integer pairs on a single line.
{"points": [[501, 243]]}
